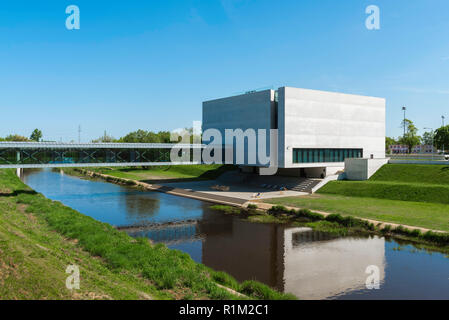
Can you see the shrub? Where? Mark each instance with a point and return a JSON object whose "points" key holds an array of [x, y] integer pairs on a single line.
{"points": [[276, 210], [306, 213], [350, 222]]}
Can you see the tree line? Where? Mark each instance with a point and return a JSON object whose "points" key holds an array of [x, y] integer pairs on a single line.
{"points": [[35, 136], [138, 136], [439, 138]]}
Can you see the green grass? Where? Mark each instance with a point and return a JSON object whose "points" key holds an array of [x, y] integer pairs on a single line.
{"points": [[389, 190], [33, 258], [226, 209], [112, 263], [420, 214], [413, 173], [178, 172], [418, 183]]}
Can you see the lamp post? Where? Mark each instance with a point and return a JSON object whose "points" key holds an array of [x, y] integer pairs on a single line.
{"points": [[433, 138], [442, 120], [404, 109]]}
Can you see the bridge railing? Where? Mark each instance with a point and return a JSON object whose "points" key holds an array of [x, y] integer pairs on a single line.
{"points": [[43, 154]]}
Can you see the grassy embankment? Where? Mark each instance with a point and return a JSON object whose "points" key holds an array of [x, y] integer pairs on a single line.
{"points": [[415, 195], [39, 238], [339, 225], [168, 173]]}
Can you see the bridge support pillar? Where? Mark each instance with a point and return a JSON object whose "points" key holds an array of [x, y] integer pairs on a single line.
{"points": [[19, 170]]}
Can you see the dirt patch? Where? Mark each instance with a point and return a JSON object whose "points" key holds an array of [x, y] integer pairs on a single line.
{"points": [[145, 296], [8, 269], [90, 296], [5, 191]]}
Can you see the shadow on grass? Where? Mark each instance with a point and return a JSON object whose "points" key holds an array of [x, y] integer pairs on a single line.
{"points": [[17, 192]]}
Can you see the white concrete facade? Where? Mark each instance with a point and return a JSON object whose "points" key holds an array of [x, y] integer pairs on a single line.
{"points": [[305, 119], [318, 119], [247, 111]]}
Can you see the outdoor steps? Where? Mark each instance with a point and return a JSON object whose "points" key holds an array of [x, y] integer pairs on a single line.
{"points": [[270, 183], [305, 186]]}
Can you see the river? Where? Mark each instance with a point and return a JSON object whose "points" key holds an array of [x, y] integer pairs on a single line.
{"points": [[309, 264]]}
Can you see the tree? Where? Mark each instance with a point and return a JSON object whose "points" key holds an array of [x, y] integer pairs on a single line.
{"points": [[143, 136], [36, 135], [442, 138], [427, 138], [411, 138], [389, 142], [16, 138], [105, 139]]}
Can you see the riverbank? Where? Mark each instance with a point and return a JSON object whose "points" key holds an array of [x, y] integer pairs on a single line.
{"points": [[42, 237], [413, 215], [160, 188], [157, 174], [414, 195], [339, 225], [432, 216]]}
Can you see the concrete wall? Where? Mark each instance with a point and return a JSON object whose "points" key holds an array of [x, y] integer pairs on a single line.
{"points": [[318, 119], [362, 169], [253, 110]]}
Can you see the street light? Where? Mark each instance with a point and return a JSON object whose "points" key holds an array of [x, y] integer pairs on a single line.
{"points": [[442, 119], [404, 109], [433, 138]]}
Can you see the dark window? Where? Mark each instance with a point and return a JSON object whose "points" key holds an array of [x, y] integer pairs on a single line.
{"points": [[325, 155]]}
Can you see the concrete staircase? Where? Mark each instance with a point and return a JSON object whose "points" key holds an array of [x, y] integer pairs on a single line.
{"points": [[270, 183], [306, 185]]}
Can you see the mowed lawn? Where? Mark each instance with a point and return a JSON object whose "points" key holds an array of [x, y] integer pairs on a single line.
{"points": [[418, 183], [416, 195]]}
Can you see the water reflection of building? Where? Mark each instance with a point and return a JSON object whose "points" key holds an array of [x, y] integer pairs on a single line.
{"points": [[245, 250], [319, 269], [308, 264]]}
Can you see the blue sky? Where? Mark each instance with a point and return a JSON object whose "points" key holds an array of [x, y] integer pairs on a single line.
{"points": [[150, 64]]}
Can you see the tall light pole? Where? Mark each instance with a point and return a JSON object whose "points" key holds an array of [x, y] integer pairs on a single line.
{"points": [[433, 138], [404, 109], [442, 120]]}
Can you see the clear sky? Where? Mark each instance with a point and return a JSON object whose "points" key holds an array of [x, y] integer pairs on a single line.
{"points": [[150, 64]]}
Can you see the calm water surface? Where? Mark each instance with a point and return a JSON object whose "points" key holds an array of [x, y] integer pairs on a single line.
{"points": [[310, 265]]}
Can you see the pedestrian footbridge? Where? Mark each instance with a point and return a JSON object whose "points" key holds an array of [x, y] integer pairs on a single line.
{"points": [[21, 155]]}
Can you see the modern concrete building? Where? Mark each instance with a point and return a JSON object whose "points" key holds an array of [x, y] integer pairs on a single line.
{"points": [[317, 130]]}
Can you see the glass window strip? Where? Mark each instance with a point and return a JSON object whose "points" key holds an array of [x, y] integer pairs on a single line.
{"points": [[324, 155]]}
